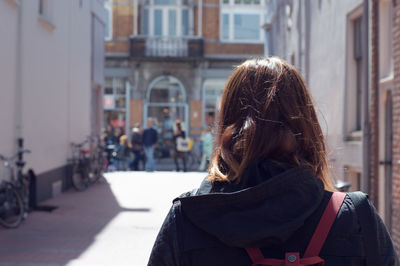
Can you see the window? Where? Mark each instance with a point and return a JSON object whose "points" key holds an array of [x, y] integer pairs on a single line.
{"points": [[242, 20], [212, 91], [385, 39], [109, 16], [357, 56], [166, 18], [355, 78], [115, 91]]}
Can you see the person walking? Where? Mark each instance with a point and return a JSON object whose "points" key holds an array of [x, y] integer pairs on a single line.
{"points": [[149, 140], [123, 154], [137, 147], [178, 153], [207, 144], [269, 198]]}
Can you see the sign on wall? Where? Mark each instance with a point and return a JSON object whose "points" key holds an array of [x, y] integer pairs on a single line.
{"points": [[109, 102]]}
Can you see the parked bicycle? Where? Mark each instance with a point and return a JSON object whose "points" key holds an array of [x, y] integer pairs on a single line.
{"points": [[88, 164], [14, 192]]}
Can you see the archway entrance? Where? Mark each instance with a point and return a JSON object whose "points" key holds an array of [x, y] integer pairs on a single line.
{"points": [[166, 103]]}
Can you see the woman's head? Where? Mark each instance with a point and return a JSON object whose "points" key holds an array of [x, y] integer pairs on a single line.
{"points": [[267, 113], [123, 140]]}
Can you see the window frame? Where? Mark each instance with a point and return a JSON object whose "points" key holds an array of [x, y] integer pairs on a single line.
{"points": [[165, 11], [231, 9], [353, 114], [385, 36], [108, 6]]}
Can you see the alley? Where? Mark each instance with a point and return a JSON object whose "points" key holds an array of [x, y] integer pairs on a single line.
{"points": [[114, 222]]}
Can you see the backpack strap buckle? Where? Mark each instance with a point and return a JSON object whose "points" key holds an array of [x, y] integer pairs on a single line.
{"points": [[292, 259]]}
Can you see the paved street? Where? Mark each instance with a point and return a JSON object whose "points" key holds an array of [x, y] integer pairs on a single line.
{"points": [[114, 222]]}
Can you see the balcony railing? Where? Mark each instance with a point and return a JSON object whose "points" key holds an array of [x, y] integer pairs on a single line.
{"points": [[143, 46]]}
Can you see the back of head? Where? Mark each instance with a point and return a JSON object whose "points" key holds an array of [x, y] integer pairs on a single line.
{"points": [[267, 113]]}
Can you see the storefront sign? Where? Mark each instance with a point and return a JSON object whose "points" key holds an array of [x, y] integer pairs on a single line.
{"points": [[109, 102]]}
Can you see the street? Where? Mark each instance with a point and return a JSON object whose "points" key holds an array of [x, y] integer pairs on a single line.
{"points": [[114, 222]]}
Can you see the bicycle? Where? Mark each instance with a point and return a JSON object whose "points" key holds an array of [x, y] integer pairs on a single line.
{"points": [[14, 194], [87, 166]]}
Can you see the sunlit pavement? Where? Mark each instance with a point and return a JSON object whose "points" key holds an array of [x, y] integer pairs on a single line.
{"points": [[114, 222]]}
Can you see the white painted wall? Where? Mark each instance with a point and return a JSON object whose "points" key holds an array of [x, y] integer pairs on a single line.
{"points": [[327, 78], [326, 71], [55, 76], [8, 52]]}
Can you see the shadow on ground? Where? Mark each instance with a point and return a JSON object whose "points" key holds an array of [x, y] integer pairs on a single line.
{"points": [[65, 234]]}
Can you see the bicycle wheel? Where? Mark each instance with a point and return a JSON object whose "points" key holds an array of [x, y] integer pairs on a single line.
{"points": [[11, 208], [95, 169], [79, 177]]}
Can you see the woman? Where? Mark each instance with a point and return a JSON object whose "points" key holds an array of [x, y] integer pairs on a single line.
{"points": [[179, 133], [268, 185], [123, 151]]}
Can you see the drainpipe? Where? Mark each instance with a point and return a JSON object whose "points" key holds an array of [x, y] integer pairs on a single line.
{"points": [[135, 18], [200, 18], [18, 98], [365, 100]]}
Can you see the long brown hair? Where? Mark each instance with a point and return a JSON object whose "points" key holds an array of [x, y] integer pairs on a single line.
{"points": [[267, 113]]}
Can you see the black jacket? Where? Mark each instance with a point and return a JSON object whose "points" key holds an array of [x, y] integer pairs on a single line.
{"points": [[149, 137], [274, 208]]}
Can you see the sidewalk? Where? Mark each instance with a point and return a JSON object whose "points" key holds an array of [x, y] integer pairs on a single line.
{"points": [[114, 222]]}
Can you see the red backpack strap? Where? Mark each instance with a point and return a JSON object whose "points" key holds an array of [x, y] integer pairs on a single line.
{"points": [[325, 224], [317, 240]]}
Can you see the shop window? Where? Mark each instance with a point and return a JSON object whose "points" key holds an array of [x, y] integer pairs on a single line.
{"points": [[212, 91]]}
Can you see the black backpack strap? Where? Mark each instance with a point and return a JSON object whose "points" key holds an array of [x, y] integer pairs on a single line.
{"points": [[368, 227]]}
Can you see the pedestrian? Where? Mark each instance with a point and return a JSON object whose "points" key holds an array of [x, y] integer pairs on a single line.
{"points": [[269, 186], [207, 144], [149, 140], [118, 133], [123, 151], [109, 135], [179, 135], [137, 147]]}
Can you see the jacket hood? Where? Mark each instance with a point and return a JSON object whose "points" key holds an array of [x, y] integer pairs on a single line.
{"points": [[269, 204]]}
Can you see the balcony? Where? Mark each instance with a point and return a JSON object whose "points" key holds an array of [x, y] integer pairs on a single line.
{"points": [[178, 47]]}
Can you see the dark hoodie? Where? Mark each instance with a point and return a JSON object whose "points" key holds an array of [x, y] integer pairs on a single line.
{"points": [[275, 208]]}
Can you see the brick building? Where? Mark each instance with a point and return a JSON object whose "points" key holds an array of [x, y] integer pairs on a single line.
{"points": [[351, 62], [385, 112], [322, 39], [169, 59]]}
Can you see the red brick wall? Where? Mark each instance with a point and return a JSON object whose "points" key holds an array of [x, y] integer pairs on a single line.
{"points": [[374, 104], [396, 126]]}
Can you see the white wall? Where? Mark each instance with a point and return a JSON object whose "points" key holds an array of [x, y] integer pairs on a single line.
{"points": [[55, 77], [8, 53], [327, 77], [317, 37]]}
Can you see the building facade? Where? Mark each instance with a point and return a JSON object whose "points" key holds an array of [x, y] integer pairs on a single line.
{"points": [[51, 67], [169, 59], [384, 112], [351, 63], [322, 39]]}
